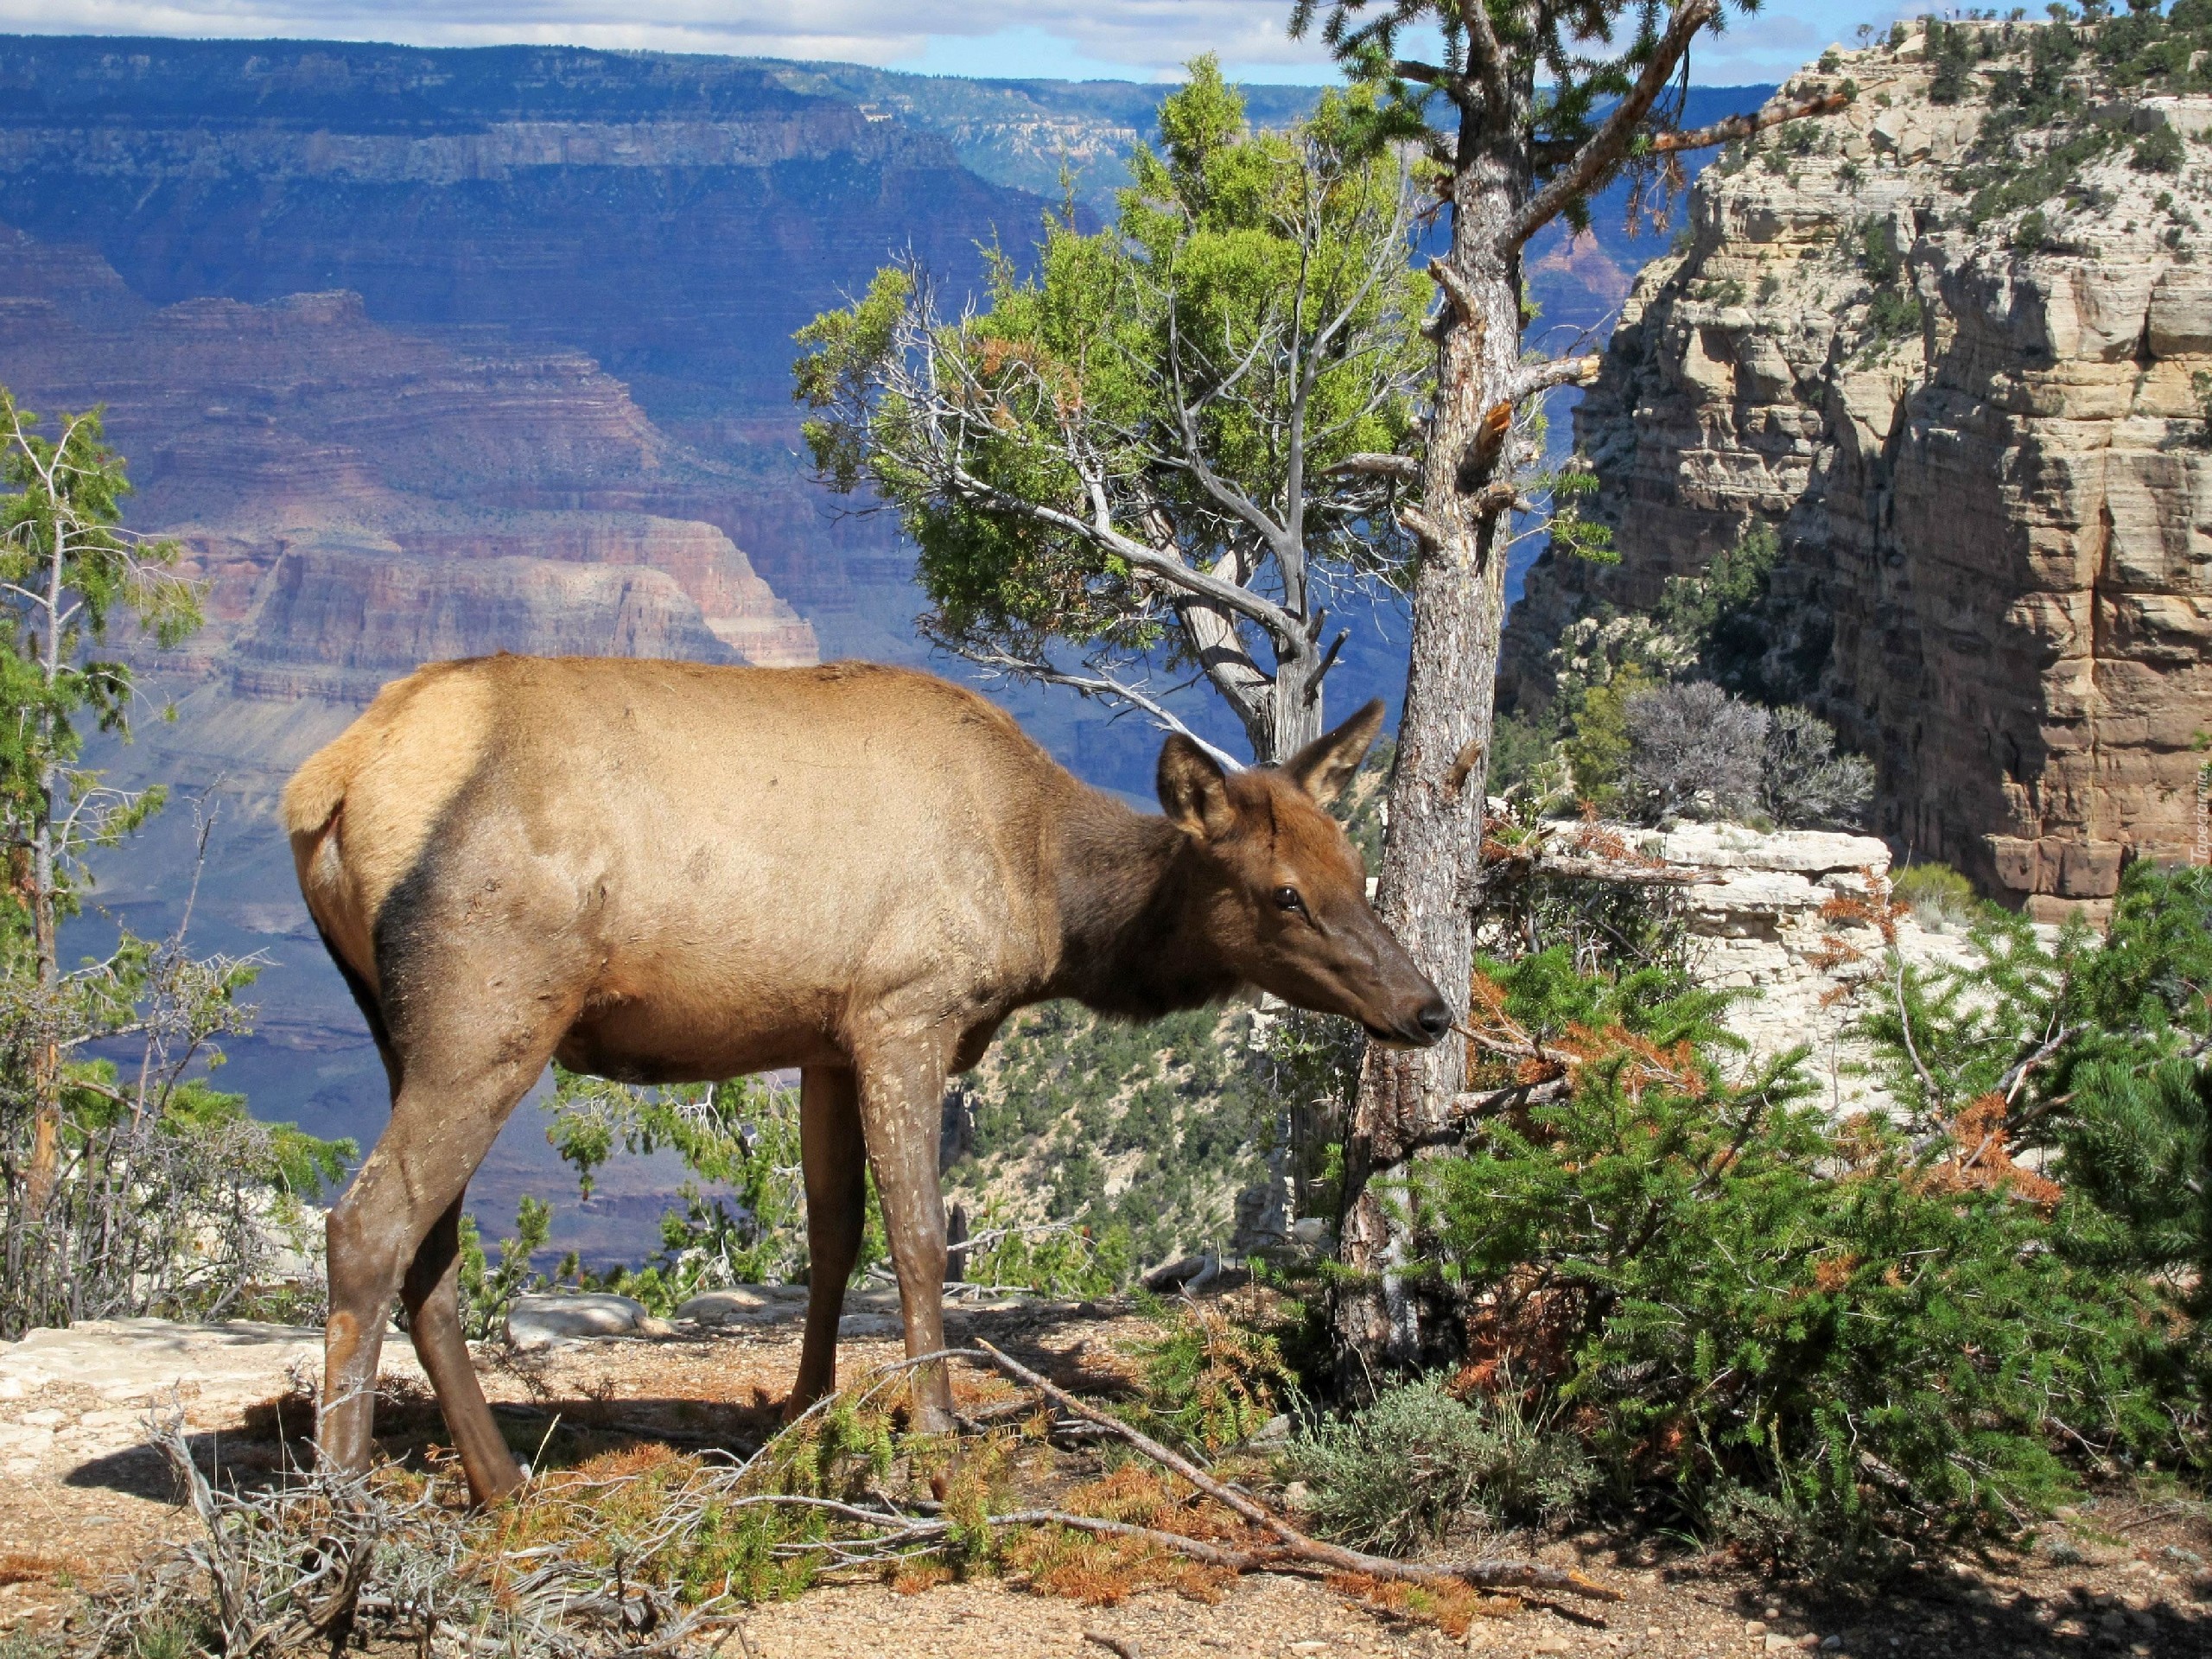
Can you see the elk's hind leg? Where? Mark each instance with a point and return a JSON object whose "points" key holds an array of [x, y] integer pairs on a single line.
{"points": [[481, 1066], [836, 1165], [431, 1292], [902, 1093]]}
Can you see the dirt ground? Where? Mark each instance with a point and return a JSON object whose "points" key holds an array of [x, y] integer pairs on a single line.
{"points": [[83, 1500]]}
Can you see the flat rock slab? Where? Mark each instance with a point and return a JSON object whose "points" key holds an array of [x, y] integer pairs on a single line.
{"points": [[746, 1305], [865, 1315], [535, 1322], [86, 1391]]}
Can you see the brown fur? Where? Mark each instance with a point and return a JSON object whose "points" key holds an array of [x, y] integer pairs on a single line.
{"points": [[664, 871]]}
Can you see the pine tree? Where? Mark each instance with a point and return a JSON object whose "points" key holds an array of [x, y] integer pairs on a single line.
{"points": [[1530, 108]]}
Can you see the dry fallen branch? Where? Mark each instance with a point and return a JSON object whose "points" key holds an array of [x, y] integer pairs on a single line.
{"points": [[1293, 1548]]}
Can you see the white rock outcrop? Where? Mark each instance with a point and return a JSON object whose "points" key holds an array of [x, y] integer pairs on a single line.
{"points": [[1786, 917]]}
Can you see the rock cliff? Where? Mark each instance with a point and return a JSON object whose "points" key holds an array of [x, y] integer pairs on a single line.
{"points": [[1956, 353]]}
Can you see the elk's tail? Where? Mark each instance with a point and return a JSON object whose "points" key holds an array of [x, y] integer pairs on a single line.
{"points": [[313, 809]]}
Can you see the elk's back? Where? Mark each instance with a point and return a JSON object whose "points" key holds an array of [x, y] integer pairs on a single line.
{"points": [[777, 842]]}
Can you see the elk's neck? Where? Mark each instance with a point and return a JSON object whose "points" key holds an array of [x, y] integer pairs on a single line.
{"points": [[1132, 902]]}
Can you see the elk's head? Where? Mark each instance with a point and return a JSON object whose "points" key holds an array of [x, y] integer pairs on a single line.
{"points": [[1287, 893]]}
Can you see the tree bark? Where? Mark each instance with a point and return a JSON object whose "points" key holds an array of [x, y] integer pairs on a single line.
{"points": [[1431, 875]]}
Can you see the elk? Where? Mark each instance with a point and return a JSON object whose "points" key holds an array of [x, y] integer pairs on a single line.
{"points": [[664, 872]]}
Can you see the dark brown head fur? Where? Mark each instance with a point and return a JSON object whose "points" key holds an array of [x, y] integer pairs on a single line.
{"points": [[1248, 881]]}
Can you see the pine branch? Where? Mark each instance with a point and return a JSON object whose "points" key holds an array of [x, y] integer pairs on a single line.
{"points": [[1610, 143]]}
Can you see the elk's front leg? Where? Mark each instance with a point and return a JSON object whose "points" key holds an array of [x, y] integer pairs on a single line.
{"points": [[835, 1165], [902, 1088]]}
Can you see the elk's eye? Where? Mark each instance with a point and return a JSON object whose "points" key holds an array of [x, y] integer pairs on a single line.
{"points": [[1287, 899]]}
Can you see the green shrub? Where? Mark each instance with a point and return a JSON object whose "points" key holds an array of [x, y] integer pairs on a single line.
{"points": [[2136, 1155], [1712, 613], [1728, 1295], [486, 1293], [1209, 1382], [1952, 50], [1877, 251], [1598, 749], [2023, 1017], [2159, 150], [1893, 314], [1937, 894], [1401, 1472], [2032, 234], [1518, 746]]}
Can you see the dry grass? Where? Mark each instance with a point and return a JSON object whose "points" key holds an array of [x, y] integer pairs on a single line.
{"points": [[19, 1567], [645, 1549]]}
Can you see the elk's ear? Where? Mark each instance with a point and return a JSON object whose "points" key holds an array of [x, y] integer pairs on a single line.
{"points": [[1193, 790], [1324, 766]]}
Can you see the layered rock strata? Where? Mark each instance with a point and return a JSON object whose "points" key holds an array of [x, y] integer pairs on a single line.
{"points": [[1991, 468], [360, 499]]}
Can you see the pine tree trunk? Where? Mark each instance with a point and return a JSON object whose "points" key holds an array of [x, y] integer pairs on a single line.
{"points": [[1294, 711], [1431, 875], [46, 1071], [46, 1067]]}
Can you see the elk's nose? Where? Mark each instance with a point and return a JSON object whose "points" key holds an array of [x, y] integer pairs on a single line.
{"points": [[1434, 1020]]}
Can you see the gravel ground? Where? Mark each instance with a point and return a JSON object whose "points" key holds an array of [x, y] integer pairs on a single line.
{"points": [[86, 1500]]}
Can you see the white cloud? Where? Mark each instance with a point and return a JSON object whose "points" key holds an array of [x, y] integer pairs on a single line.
{"points": [[1137, 38], [1140, 37]]}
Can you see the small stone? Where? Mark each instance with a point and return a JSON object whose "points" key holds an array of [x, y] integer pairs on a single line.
{"points": [[1832, 1644], [1754, 1628], [1550, 1644], [1777, 1642]]}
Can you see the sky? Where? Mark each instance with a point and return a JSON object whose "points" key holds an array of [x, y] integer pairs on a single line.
{"points": [[1134, 40]]}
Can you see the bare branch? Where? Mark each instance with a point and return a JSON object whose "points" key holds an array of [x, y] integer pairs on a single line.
{"points": [[1559, 372], [1401, 467], [1098, 684], [1743, 126], [1422, 526]]}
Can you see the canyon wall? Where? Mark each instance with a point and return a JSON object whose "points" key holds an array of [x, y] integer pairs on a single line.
{"points": [[358, 499], [1983, 438]]}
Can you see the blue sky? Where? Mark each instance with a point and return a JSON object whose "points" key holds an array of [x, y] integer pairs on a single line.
{"points": [[1077, 39]]}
